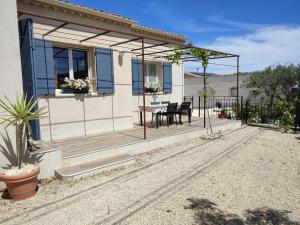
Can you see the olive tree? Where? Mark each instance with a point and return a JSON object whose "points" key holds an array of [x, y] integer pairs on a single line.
{"points": [[276, 82]]}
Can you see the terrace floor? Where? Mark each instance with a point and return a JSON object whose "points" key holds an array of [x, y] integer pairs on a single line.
{"points": [[76, 146]]}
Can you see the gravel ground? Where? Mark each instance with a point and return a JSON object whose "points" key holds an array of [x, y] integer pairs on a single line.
{"points": [[243, 170]]}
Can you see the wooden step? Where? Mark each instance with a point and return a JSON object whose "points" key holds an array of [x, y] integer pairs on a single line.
{"points": [[93, 167]]}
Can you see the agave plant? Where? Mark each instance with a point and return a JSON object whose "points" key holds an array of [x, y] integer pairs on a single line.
{"points": [[19, 114]]}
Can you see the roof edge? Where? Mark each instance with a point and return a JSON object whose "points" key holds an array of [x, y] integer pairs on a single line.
{"points": [[132, 24], [87, 10]]}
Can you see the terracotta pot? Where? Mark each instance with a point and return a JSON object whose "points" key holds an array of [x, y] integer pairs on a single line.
{"points": [[221, 116], [21, 186]]}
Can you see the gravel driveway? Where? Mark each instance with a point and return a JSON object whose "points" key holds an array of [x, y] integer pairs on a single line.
{"points": [[245, 169]]}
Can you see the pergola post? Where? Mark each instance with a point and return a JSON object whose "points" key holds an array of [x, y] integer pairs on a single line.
{"points": [[144, 97], [204, 95], [237, 84]]}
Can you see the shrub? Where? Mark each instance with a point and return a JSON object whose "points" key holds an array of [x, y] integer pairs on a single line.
{"points": [[284, 114], [253, 113]]}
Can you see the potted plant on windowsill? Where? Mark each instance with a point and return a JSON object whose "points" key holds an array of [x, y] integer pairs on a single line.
{"points": [[21, 179], [78, 86], [153, 88]]}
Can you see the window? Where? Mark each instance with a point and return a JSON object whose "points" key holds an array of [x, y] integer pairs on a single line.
{"points": [[253, 92], [151, 73], [70, 63], [61, 65], [233, 91], [80, 68]]}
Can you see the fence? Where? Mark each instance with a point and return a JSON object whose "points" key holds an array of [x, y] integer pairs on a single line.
{"points": [[247, 111], [216, 106], [261, 112]]}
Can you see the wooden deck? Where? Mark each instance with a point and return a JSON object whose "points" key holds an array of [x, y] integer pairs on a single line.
{"points": [[76, 146], [76, 157]]}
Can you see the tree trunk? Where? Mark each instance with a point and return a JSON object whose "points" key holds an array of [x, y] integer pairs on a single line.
{"points": [[19, 143]]}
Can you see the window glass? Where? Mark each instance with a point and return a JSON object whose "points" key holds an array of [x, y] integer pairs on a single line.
{"points": [[61, 65], [152, 72], [80, 67]]}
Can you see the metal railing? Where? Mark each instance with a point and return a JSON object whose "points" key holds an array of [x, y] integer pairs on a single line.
{"points": [[223, 107]]}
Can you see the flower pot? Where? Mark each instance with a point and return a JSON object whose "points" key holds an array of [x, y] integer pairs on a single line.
{"points": [[221, 116], [81, 91], [149, 90], [67, 90], [21, 186]]}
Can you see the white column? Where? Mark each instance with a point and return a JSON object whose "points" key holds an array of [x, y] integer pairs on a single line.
{"points": [[10, 63]]}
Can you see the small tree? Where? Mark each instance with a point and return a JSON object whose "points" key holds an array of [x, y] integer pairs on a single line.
{"points": [[19, 114], [266, 83], [276, 82], [200, 54]]}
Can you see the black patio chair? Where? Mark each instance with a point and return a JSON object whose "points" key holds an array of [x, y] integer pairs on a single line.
{"points": [[170, 113], [184, 109]]}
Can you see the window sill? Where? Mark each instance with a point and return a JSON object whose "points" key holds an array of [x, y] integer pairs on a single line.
{"points": [[59, 94], [158, 93]]}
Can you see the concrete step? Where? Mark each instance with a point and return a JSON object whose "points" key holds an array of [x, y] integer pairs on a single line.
{"points": [[93, 167]]}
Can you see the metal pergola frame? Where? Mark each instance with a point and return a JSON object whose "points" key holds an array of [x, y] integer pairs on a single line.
{"points": [[137, 37]]}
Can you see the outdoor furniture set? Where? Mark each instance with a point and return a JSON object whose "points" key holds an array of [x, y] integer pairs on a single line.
{"points": [[170, 111]]}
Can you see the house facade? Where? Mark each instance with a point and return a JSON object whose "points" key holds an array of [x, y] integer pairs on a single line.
{"points": [[45, 43], [57, 46]]}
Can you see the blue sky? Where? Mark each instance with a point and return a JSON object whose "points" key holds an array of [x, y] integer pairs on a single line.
{"points": [[263, 32]]}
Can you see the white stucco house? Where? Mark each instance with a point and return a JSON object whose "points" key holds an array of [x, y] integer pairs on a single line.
{"points": [[43, 42], [50, 54]]}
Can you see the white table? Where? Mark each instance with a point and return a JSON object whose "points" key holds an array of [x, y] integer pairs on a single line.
{"points": [[153, 109]]}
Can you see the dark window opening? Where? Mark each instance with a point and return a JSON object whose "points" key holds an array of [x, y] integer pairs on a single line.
{"points": [[61, 65], [80, 68]]}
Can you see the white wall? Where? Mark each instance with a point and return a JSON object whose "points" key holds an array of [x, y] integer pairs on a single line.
{"points": [[10, 62], [70, 116], [79, 115]]}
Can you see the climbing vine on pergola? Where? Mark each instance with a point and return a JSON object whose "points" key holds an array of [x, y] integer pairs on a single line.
{"points": [[200, 54], [203, 55]]}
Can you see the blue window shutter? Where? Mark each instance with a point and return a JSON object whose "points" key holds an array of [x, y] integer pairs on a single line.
{"points": [[105, 71], [137, 76], [26, 47], [167, 71], [44, 67], [27, 62]]}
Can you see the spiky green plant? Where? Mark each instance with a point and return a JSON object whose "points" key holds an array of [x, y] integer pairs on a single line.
{"points": [[19, 114]]}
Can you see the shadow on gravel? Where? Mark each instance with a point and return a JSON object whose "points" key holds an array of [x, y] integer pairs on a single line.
{"points": [[207, 213]]}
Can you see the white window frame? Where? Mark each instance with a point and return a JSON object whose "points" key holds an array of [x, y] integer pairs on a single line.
{"points": [[70, 58]]}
